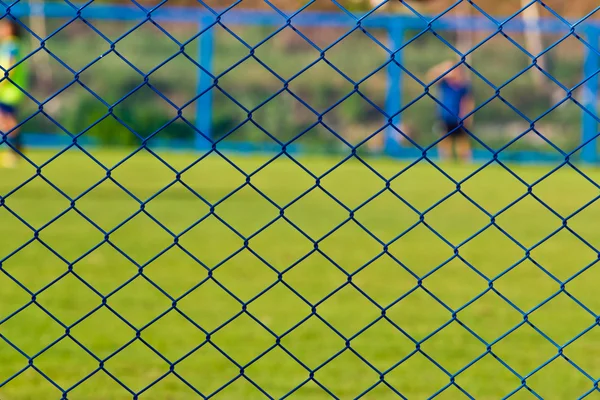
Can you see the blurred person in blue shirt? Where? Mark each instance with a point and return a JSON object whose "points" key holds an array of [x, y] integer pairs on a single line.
{"points": [[456, 98]]}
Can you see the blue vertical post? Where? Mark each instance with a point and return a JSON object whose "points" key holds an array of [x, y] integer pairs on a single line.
{"points": [[204, 104], [393, 101], [589, 153]]}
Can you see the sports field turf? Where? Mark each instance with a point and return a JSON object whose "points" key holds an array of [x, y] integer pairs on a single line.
{"points": [[168, 279]]}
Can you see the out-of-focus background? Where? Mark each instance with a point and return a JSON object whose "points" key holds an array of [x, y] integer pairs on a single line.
{"points": [[149, 50]]}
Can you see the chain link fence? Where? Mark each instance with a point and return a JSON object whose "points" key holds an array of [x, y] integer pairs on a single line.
{"points": [[225, 203]]}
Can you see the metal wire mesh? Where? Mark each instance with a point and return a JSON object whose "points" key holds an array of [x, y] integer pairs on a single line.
{"points": [[389, 114]]}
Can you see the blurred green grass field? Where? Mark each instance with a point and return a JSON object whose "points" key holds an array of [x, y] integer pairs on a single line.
{"points": [[171, 277]]}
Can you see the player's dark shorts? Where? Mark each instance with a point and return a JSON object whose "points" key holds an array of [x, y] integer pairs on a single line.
{"points": [[7, 109], [452, 129]]}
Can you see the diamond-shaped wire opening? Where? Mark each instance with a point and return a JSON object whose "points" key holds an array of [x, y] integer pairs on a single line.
{"points": [[59, 109], [326, 214], [105, 268], [34, 266], [23, 330], [436, 185], [66, 363], [176, 272], [139, 302], [565, 58], [127, 237], [358, 68], [77, 44], [520, 94], [136, 366], [417, 377], [409, 314], [421, 250], [146, 54], [243, 329], [346, 364], [207, 369], [286, 252], [280, 309], [524, 350], [499, 380], [291, 45], [199, 177], [348, 311], [281, 119], [571, 384], [493, 188], [167, 206], [209, 306], [320, 86], [352, 183], [382, 345], [68, 299], [550, 255], [561, 127], [247, 211], [59, 233], [107, 205], [315, 277], [497, 125], [211, 242], [173, 336], [114, 70], [398, 281], [386, 216], [457, 219], [561, 319], [145, 111], [555, 188], [102, 333], [528, 221], [514, 283], [491, 52], [339, 247], [142, 174], [327, 147], [492, 252], [313, 342], [245, 275], [490, 317], [179, 92], [250, 84], [277, 373], [455, 284], [79, 180], [545, 11], [453, 347]]}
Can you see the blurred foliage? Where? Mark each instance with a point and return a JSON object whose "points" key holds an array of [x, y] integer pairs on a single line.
{"points": [[150, 109]]}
